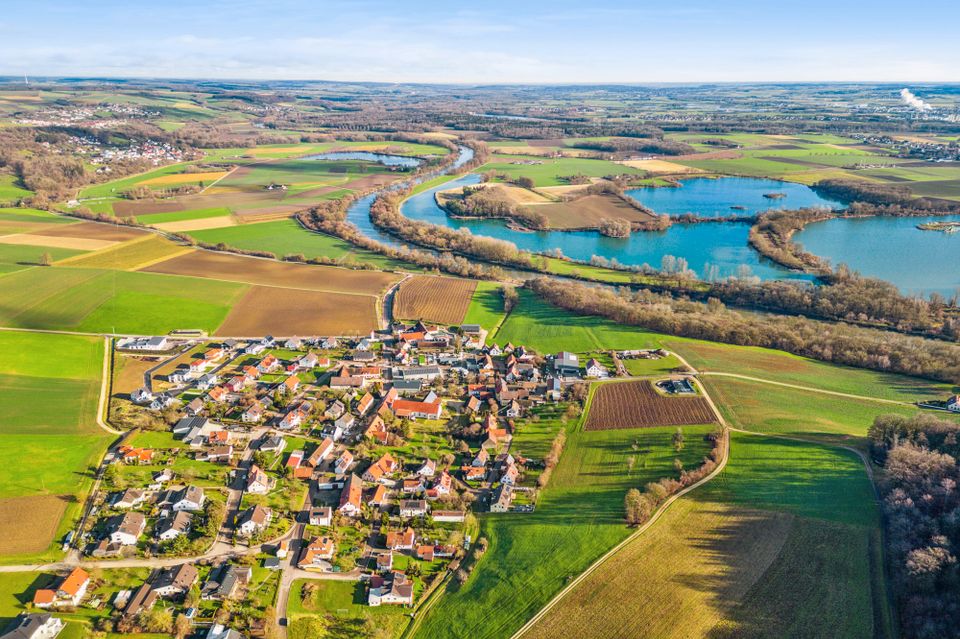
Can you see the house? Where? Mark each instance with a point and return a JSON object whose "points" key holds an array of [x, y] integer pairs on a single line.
{"points": [[953, 404], [217, 395], [135, 456], [395, 589], [253, 414], [309, 361], [428, 468], [413, 508], [268, 364], [293, 344], [219, 631], [424, 552], [160, 478], [481, 459], [350, 497], [406, 386], [343, 463], [320, 516], [335, 409], [512, 409], [441, 487], [174, 526], [428, 373], [251, 372], [365, 404], [293, 418], [126, 529], [187, 425], [596, 369], [141, 396], [207, 380], [283, 549], [254, 520], [317, 554], [380, 469], [273, 444], [236, 384], [189, 498], [130, 498], [290, 385], [226, 581], [566, 364], [502, 498], [343, 424], [377, 429], [218, 454], [142, 600], [385, 561], [34, 626], [258, 482], [414, 409], [363, 356], [473, 473], [401, 540], [411, 485], [345, 382], [377, 496], [195, 407], [69, 592], [320, 453], [295, 459], [175, 580]]}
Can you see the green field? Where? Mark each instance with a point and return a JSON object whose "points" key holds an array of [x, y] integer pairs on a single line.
{"points": [[94, 300], [486, 307], [550, 171], [10, 191], [180, 216], [345, 602], [287, 237], [579, 516], [784, 543]]}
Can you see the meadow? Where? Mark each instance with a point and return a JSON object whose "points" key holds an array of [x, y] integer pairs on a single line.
{"points": [[550, 172], [486, 306], [48, 400], [579, 516], [784, 542]]}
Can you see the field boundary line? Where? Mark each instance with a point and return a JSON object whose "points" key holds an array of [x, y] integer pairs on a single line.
{"points": [[105, 385], [808, 388]]}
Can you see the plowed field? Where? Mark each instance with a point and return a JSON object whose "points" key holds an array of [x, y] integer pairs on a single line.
{"points": [[637, 404]]}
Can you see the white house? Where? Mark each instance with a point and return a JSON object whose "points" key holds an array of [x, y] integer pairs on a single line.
{"points": [[173, 527], [953, 404], [34, 626], [254, 520], [126, 530], [190, 498]]}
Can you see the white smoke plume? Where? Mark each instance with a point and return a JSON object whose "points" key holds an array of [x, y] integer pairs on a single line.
{"points": [[913, 101]]}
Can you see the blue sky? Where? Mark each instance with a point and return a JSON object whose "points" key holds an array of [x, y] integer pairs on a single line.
{"points": [[488, 41]]}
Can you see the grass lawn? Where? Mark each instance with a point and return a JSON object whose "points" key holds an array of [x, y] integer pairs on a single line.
{"points": [[95, 300], [486, 307], [579, 516], [784, 543], [345, 603], [10, 191]]}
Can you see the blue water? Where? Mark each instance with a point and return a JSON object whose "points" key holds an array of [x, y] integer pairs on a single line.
{"points": [[893, 249], [706, 197], [367, 156], [720, 245]]}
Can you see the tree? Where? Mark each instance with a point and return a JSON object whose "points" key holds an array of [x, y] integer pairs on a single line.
{"points": [[181, 627], [633, 504], [46, 259], [677, 440]]}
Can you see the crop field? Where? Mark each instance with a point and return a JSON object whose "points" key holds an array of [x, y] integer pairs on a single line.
{"points": [[636, 404], [238, 268], [551, 172], [579, 517], [183, 216], [588, 211], [486, 306], [287, 237], [437, 299], [96, 231], [48, 400], [94, 300], [784, 543], [179, 179], [267, 310], [129, 256]]}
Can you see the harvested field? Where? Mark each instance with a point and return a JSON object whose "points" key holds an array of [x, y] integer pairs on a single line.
{"points": [[132, 208], [636, 404], [197, 225], [237, 268], [267, 310], [76, 243], [660, 166], [184, 178], [96, 231], [129, 256], [588, 211], [128, 373], [439, 299], [29, 524]]}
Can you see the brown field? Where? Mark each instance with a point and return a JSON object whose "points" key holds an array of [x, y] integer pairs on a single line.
{"points": [[250, 270], [586, 212], [132, 208], [266, 310], [129, 371], [78, 243], [129, 256], [637, 404], [438, 299], [28, 524], [96, 231], [197, 225], [660, 166], [184, 178]]}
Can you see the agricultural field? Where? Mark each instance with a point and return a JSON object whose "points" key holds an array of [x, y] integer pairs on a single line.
{"points": [[552, 172], [49, 391], [486, 306], [637, 404], [579, 516], [784, 543], [589, 211], [129, 256], [10, 190], [268, 310], [251, 270], [437, 299]]}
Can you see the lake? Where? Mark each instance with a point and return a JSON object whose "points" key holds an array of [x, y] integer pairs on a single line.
{"points": [[891, 248], [716, 197]]}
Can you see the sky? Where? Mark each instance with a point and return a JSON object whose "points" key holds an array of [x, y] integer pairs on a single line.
{"points": [[491, 41]]}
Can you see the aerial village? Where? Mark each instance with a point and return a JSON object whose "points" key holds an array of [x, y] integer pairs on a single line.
{"points": [[356, 458]]}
